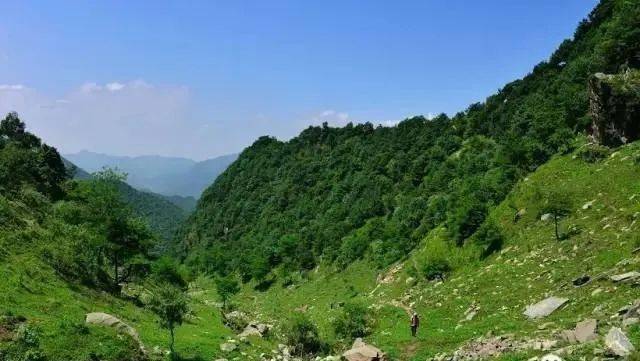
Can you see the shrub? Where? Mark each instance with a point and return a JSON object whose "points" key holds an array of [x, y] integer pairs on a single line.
{"points": [[435, 268], [302, 335], [353, 321], [434, 262], [226, 287], [489, 238], [165, 270], [592, 153]]}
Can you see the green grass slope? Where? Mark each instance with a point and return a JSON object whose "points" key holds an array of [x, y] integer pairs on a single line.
{"points": [[52, 309], [531, 266]]}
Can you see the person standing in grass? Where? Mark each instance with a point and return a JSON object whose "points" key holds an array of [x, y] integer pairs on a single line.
{"points": [[415, 322]]}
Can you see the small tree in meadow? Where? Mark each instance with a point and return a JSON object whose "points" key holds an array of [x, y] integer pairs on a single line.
{"points": [[171, 304], [226, 287], [558, 205]]}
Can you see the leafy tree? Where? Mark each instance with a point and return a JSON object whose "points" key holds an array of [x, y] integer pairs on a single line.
{"points": [[558, 205], [126, 237], [171, 305], [226, 287]]}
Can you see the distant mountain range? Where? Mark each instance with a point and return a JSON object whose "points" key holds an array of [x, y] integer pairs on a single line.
{"points": [[168, 176]]}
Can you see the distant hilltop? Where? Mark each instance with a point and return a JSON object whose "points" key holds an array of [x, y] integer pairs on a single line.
{"points": [[170, 176]]}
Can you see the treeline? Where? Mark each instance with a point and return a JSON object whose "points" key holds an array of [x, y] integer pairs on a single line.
{"points": [[365, 191]]}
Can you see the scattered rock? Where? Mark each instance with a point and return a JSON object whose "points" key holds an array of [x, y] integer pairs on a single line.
{"points": [[546, 217], [586, 330], [632, 311], [544, 307], [228, 347], [618, 342], [596, 292], [105, 319], [627, 322], [551, 357], [361, 351], [255, 329], [625, 276], [588, 204]]}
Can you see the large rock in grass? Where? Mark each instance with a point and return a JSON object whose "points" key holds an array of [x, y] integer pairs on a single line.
{"points": [[618, 343], [545, 307], [360, 351], [105, 319], [629, 276], [585, 331]]}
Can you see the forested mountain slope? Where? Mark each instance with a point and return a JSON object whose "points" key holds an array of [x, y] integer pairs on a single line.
{"points": [[162, 213], [361, 191]]}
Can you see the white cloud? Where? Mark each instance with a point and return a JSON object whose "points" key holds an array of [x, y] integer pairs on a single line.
{"points": [[115, 86], [11, 87], [332, 117], [119, 118]]}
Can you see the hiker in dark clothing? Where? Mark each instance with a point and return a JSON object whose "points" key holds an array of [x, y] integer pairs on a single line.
{"points": [[415, 322]]}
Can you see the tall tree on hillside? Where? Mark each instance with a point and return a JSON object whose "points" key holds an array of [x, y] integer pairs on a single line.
{"points": [[126, 236]]}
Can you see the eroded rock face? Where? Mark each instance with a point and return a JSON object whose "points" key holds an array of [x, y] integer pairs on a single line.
{"points": [[614, 105]]}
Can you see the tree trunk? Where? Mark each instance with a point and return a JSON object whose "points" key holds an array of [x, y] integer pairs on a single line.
{"points": [[171, 344], [555, 220], [115, 267]]}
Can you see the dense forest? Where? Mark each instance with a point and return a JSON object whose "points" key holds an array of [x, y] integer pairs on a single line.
{"points": [[363, 191]]}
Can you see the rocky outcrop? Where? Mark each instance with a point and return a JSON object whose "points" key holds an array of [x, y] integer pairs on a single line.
{"points": [[614, 105]]}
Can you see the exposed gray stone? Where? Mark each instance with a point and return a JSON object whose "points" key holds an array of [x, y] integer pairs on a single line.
{"points": [[625, 276], [228, 346], [585, 331], [618, 342], [361, 351], [105, 319], [544, 307]]}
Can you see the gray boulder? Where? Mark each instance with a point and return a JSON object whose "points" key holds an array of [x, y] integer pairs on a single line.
{"points": [[544, 307], [618, 342], [361, 351], [228, 347], [625, 276], [586, 330], [107, 320], [255, 329]]}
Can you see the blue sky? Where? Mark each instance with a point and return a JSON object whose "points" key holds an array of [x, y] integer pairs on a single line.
{"points": [[204, 78]]}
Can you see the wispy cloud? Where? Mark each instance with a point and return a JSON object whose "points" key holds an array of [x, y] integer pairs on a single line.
{"points": [[11, 87], [117, 117], [332, 117]]}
